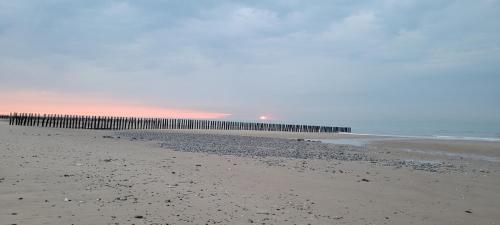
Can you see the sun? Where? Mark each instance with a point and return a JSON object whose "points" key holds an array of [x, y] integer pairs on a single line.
{"points": [[262, 117]]}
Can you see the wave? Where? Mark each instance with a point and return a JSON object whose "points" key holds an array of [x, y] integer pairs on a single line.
{"points": [[437, 137]]}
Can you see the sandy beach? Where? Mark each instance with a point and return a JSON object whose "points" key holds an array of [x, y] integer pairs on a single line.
{"points": [[65, 176]]}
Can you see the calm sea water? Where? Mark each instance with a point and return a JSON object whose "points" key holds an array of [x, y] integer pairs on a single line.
{"points": [[458, 131]]}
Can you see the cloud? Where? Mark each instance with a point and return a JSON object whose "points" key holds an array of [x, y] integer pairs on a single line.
{"points": [[354, 27], [321, 62]]}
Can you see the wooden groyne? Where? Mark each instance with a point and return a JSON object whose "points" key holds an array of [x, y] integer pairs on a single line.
{"points": [[4, 117], [125, 123]]}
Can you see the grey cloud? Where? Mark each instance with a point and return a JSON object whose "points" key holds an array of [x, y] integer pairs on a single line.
{"points": [[320, 62]]}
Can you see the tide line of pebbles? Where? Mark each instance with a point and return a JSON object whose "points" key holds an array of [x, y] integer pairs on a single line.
{"points": [[272, 147]]}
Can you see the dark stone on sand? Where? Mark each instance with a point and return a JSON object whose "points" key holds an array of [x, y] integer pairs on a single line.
{"points": [[468, 211], [246, 146], [138, 217], [107, 136], [365, 180]]}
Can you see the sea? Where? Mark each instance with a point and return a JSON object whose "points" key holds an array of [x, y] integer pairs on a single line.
{"points": [[435, 130], [489, 133]]}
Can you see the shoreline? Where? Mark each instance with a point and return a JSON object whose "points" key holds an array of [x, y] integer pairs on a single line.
{"points": [[65, 176]]}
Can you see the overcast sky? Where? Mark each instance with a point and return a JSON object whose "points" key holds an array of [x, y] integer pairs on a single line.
{"points": [[334, 61]]}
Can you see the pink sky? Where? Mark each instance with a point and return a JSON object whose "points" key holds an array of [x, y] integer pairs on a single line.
{"points": [[56, 103]]}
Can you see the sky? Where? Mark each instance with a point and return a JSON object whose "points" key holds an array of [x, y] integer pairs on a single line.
{"points": [[358, 63]]}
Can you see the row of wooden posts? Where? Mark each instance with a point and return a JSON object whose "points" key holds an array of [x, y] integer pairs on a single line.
{"points": [[124, 123]]}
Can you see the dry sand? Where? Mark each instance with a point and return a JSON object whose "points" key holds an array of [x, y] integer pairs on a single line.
{"points": [[57, 176]]}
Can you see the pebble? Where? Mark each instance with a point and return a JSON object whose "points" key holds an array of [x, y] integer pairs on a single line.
{"points": [[250, 146], [274, 147]]}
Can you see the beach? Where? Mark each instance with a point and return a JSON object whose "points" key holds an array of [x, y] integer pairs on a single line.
{"points": [[67, 176]]}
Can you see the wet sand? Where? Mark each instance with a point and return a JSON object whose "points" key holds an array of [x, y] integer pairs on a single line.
{"points": [[57, 176]]}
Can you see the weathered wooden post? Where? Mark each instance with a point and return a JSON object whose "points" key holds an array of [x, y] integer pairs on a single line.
{"points": [[48, 121], [98, 126], [56, 121], [59, 121], [66, 121], [43, 120], [81, 121]]}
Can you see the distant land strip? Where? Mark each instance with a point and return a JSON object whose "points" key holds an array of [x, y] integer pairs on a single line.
{"points": [[126, 123]]}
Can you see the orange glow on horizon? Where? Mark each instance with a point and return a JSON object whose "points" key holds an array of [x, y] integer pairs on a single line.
{"points": [[264, 117], [52, 103]]}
